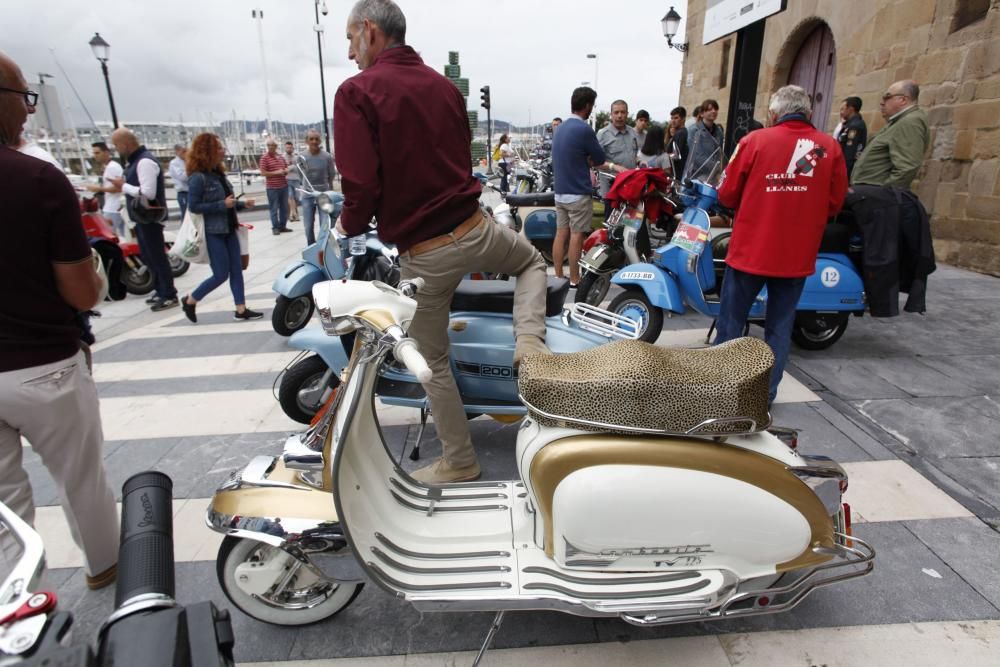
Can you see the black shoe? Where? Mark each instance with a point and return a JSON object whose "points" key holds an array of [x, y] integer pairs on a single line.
{"points": [[188, 309], [284, 230], [151, 300], [248, 315], [275, 231], [164, 304]]}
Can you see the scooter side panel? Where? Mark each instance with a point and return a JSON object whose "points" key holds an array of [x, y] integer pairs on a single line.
{"points": [[835, 286], [660, 288], [329, 348], [297, 279]]}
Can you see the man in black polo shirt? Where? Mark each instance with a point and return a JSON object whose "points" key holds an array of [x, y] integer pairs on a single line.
{"points": [[47, 394]]}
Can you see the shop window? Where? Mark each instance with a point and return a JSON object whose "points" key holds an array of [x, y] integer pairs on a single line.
{"points": [[968, 12]]}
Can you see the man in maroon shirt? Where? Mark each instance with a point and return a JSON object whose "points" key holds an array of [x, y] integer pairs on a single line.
{"points": [[403, 151]]}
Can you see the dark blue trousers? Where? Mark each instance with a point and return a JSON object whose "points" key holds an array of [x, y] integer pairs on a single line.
{"points": [[154, 255]]}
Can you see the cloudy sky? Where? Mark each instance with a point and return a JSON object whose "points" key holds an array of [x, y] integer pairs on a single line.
{"points": [[189, 59]]}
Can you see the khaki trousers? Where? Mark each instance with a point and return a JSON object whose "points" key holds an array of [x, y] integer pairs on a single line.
{"points": [[488, 247], [55, 408]]}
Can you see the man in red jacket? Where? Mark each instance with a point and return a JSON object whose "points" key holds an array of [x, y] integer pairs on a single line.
{"points": [[404, 155], [785, 181]]}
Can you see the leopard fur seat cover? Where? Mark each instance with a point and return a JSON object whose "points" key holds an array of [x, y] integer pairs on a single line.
{"points": [[631, 384]]}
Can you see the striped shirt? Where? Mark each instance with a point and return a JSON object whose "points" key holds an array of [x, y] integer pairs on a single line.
{"points": [[274, 162]]}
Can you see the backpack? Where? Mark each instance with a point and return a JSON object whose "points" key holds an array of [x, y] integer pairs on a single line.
{"points": [[496, 153]]}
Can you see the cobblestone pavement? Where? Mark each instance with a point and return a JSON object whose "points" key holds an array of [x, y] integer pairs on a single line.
{"points": [[907, 405]]}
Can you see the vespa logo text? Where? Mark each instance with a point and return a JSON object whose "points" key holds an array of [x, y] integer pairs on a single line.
{"points": [[830, 277], [635, 275], [147, 511]]}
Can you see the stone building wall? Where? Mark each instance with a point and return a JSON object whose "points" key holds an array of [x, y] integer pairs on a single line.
{"points": [[879, 42]]}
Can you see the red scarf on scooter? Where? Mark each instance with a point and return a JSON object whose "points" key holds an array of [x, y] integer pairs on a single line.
{"points": [[634, 185]]}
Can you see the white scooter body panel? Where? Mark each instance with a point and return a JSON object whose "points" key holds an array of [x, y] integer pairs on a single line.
{"points": [[690, 519]]}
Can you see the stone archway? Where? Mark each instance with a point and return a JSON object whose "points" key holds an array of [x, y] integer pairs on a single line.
{"points": [[811, 57]]}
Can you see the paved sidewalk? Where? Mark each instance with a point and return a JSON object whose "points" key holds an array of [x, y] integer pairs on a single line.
{"points": [[907, 405]]}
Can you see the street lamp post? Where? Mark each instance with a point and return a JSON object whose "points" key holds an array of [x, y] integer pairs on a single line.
{"points": [[322, 80], [102, 51], [594, 56], [671, 22]]}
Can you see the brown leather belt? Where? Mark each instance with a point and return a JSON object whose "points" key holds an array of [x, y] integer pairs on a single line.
{"points": [[445, 239]]}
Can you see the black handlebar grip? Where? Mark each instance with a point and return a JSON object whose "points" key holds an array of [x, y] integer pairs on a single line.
{"points": [[146, 552]]}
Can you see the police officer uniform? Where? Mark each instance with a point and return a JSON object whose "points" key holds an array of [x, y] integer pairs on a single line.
{"points": [[853, 137]]}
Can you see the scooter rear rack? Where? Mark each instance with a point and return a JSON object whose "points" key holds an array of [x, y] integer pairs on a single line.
{"points": [[602, 322]]}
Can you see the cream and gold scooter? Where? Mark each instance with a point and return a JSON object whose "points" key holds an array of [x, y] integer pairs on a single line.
{"points": [[650, 489]]}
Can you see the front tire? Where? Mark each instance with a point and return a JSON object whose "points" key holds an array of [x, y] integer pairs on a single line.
{"points": [[308, 598], [306, 375], [593, 288], [290, 315], [818, 331], [632, 303], [138, 280]]}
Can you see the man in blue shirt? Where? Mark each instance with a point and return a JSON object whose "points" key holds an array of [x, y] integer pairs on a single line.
{"points": [[575, 150]]}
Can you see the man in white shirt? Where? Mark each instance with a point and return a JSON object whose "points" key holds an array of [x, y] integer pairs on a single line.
{"points": [[178, 173], [112, 194]]}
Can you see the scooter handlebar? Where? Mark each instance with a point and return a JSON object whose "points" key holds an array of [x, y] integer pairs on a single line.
{"points": [[406, 351]]}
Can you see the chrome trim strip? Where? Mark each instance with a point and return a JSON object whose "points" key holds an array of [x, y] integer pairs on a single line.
{"points": [[418, 588], [623, 595], [402, 567], [432, 507], [653, 431], [439, 497], [617, 581], [444, 556], [454, 485]]}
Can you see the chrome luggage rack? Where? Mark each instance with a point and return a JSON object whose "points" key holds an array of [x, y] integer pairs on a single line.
{"points": [[602, 322], [850, 554], [706, 428]]}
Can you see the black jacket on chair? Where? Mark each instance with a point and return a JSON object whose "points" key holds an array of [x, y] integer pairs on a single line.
{"points": [[898, 250]]}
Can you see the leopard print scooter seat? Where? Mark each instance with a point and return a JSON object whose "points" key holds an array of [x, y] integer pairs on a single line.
{"points": [[630, 386]]}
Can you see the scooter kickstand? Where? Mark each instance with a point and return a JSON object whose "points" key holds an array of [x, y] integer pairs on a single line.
{"points": [[711, 330], [497, 621], [415, 454]]}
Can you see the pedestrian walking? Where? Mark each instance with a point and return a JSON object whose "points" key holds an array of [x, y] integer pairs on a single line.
{"points": [[274, 169], [47, 392], [112, 207], [677, 141], [318, 165], [178, 174], [212, 197], [506, 162], [574, 149], [705, 141], [426, 202], [789, 167], [894, 155], [146, 200], [851, 132], [294, 182]]}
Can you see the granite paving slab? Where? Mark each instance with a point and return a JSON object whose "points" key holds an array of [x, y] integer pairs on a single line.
{"points": [[170, 347], [969, 546]]}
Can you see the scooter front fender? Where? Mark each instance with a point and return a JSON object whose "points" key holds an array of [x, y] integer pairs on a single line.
{"points": [[540, 224], [297, 279], [660, 288], [329, 348]]}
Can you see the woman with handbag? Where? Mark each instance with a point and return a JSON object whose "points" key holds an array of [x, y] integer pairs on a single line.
{"points": [[211, 195]]}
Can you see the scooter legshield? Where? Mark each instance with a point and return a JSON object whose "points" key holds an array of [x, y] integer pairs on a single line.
{"points": [[297, 279], [329, 348]]}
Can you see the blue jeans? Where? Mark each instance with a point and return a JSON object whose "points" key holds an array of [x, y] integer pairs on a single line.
{"points": [[293, 191], [154, 255], [739, 290], [224, 258], [182, 201], [277, 203], [309, 211]]}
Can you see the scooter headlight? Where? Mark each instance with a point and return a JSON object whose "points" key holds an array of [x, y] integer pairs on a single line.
{"points": [[325, 204]]}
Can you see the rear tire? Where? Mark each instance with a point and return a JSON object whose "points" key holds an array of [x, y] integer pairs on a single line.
{"points": [[818, 331], [593, 288], [633, 303], [178, 265], [305, 374], [138, 280], [290, 315], [316, 601]]}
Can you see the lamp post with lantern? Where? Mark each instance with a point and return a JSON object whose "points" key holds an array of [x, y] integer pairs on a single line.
{"points": [[670, 23], [102, 51]]}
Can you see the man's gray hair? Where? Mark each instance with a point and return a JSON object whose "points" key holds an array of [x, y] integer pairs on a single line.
{"points": [[790, 99], [386, 14], [910, 89], [312, 131]]}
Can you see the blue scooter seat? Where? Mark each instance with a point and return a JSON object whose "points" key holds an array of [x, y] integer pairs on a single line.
{"points": [[497, 296], [531, 199]]}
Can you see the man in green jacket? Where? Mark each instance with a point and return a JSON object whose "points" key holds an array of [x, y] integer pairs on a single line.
{"points": [[893, 157]]}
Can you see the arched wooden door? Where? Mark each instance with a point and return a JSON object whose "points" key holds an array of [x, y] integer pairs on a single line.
{"points": [[814, 69]]}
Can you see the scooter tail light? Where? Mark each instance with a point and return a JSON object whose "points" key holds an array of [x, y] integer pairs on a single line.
{"points": [[847, 520], [322, 257]]}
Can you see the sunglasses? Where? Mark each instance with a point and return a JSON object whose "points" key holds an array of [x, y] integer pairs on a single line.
{"points": [[30, 96]]}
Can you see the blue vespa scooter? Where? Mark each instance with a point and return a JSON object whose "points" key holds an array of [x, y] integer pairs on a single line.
{"points": [[482, 353], [683, 273], [326, 259]]}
